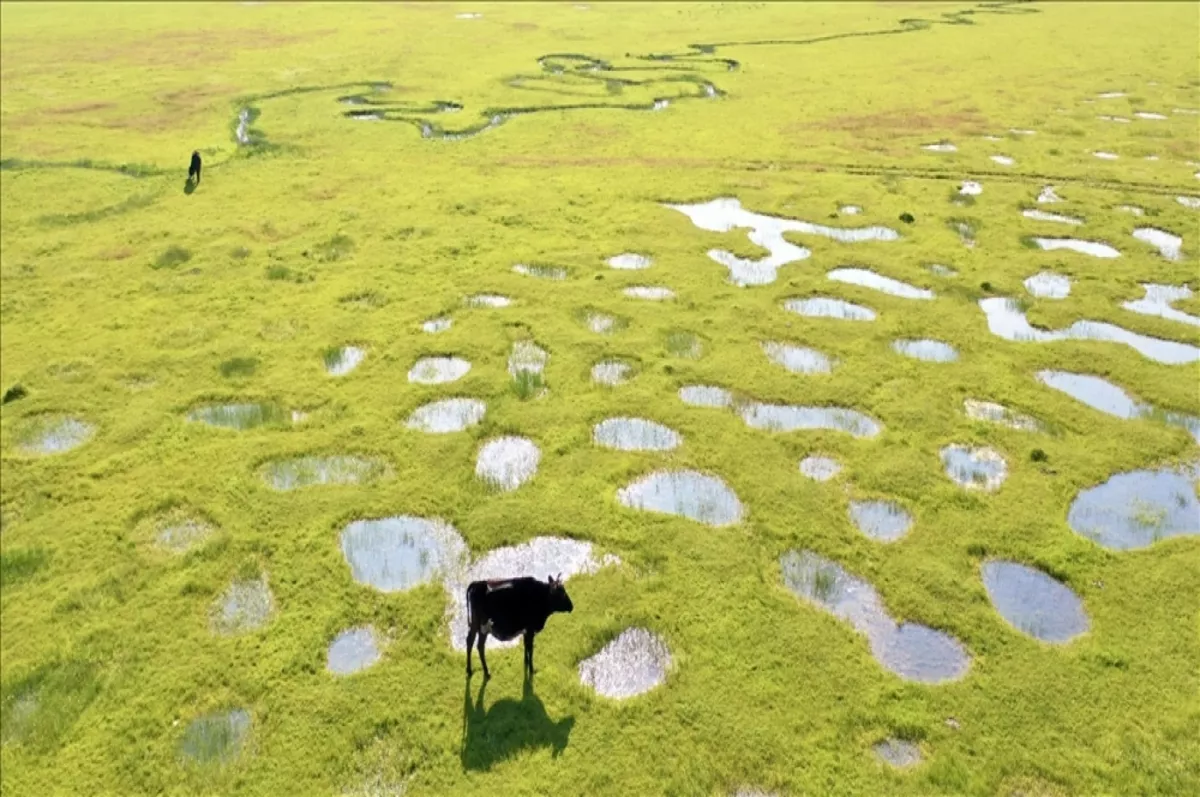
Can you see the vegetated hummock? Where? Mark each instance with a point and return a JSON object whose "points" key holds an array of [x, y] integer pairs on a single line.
{"points": [[813, 343]]}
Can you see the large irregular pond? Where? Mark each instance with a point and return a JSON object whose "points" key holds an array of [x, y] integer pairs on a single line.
{"points": [[1138, 508], [398, 553], [1104, 396], [869, 279], [686, 493], [1158, 301], [1033, 602]]}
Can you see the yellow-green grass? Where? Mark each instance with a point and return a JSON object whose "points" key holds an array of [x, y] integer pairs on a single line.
{"points": [[346, 232]]}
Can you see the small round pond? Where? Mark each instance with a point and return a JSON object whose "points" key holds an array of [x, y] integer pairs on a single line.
{"points": [[49, 434], [1033, 602], [241, 416], [438, 370], [507, 462], [685, 493], [630, 665], [974, 468], [819, 468], [1138, 508], [798, 359], [885, 521], [447, 415], [353, 650], [216, 738], [244, 606], [611, 372], [705, 396], [292, 474], [824, 307], [635, 434], [933, 351], [398, 553]]}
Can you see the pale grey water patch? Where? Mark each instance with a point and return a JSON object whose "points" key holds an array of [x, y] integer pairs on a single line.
{"points": [[706, 396], [940, 146], [687, 493], [1003, 160], [1110, 95], [611, 372], [939, 270], [488, 300], [913, 652], [216, 738], [1048, 285], [447, 415], [1157, 302], [934, 351], [630, 665], [507, 462], [556, 273], [970, 188], [1006, 320], [1119, 119], [819, 468], [1041, 215], [180, 535], [244, 606], [798, 359], [1134, 209], [435, 325], [790, 418], [1033, 602], [527, 356], [438, 370], [600, 323], [660, 105], [869, 279], [1106, 156], [885, 521], [850, 210], [342, 361], [353, 650], [898, 753], [1138, 508], [1048, 194], [469, 15], [338, 469], [240, 416], [242, 133], [1186, 111], [725, 214], [1104, 396], [992, 138], [1019, 132], [630, 261], [53, 434], [1150, 115], [1167, 244], [651, 293], [635, 434], [398, 553], [824, 307], [1150, 158], [1191, 202], [998, 413], [974, 468], [966, 232]]}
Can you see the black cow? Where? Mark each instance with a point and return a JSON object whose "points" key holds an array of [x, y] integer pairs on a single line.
{"points": [[194, 168], [508, 608]]}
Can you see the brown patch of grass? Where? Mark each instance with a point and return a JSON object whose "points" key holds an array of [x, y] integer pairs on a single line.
{"points": [[80, 107], [117, 254], [191, 47]]}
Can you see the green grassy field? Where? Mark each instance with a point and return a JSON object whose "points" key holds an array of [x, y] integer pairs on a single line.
{"points": [[128, 301]]}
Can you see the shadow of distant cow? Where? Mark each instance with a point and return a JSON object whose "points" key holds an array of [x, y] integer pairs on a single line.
{"points": [[508, 727]]}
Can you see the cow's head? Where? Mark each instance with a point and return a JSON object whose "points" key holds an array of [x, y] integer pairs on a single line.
{"points": [[560, 601]]}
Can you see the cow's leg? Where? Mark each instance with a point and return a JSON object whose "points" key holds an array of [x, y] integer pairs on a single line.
{"points": [[470, 644], [529, 652], [482, 658]]}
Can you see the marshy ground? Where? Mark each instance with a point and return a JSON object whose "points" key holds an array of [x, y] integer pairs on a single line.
{"points": [[842, 357]]}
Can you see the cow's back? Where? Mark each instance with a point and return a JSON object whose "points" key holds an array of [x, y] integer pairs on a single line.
{"points": [[510, 606]]}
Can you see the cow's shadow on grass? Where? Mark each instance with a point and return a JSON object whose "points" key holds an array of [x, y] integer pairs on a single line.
{"points": [[508, 727], [189, 187]]}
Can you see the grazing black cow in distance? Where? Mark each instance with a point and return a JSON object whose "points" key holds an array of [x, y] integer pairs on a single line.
{"points": [[194, 168], [508, 608]]}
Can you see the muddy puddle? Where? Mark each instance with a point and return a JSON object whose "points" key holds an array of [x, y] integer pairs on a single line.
{"points": [[898, 753], [1048, 285], [611, 373], [974, 468], [824, 307], [52, 434], [1058, 218], [798, 359], [438, 370], [652, 293], [293, 474], [353, 650], [506, 463], [1005, 319], [790, 418], [245, 606], [819, 468], [1034, 603], [447, 415], [343, 360], [932, 351], [1158, 301], [488, 300], [706, 396], [435, 325], [398, 553], [885, 521], [1104, 396], [998, 413], [630, 261], [630, 665], [241, 416], [216, 738], [913, 652], [635, 434], [869, 279], [686, 493], [1090, 248], [556, 273], [1167, 244], [1139, 508]]}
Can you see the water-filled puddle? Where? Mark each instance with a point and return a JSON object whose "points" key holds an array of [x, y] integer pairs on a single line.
{"points": [[898, 753], [790, 418], [438, 370], [1033, 602], [1048, 285], [244, 606], [819, 468], [488, 300], [556, 273], [538, 558], [1110, 95], [180, 534], [1139, 508], [933, 351], [1003, 160], [635, 434], [970, 188], [241, 416], [447, 415], [939, 270], [1168, 245], [611, 372], [686, 493], [966, 232], [998, 413], [878, 282], [798, 359], [1106, 156], [1151, 115], [402, 552], [1191, 202], [1048, 194], [974, 468], [54, 434], [941, 146], [507, 462], [725, 214], [292, 474], [341, 361], [849, 210], [528, 357], [630, 665], [1006, 320], [216, 738], [913, 652], [600, 323], [630, 261], [1104, 396], [823, 307], [885, 521], [1118, 119], [353, 650], [1158, 300], [651, 293], [705, 396], [1041, 215], [1092, 248], [435, 325], [1019, 132], [1134, 209]]}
